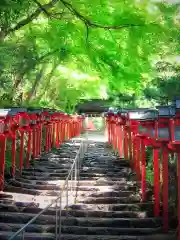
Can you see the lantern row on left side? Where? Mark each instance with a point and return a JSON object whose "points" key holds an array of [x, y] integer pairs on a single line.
{"points": [[41, 128]]}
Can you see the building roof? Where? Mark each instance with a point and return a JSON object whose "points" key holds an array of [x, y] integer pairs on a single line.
{"points": [[94, 106]]}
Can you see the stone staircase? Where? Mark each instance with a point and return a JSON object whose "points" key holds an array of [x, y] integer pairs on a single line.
{"points": [[107, 205]]}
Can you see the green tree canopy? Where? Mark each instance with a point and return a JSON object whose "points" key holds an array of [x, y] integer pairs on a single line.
{"points": [[56, 52]]}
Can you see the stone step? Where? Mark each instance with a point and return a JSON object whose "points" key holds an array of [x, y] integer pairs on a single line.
{"points": [[104, 165], [53, 165], [77, 230], [109, 159], [102, 182], [4, 235], [42, 169], [35, 228], [106, 178], [147, 206], [35, 186], [170, 236], [109, 200], [59, 176], [106, 174], [82, 221], [56, 158], [41, 178], [122, 187], [32, 192], [5, 195], [7, 201], [13, 189], [44, 174], [104, 170], [74, 213], [106, 193], [45, 178]]}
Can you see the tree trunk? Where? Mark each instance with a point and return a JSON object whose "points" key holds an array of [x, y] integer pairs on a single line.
{"points": [[48, 79], [36, 83]]}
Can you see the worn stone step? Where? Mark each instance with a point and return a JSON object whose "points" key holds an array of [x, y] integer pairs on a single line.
{"points": [[109, 160], [36, 186], [103, 165], [54, 166], [121, 182], [41, 200], [104, 170], [105, 178], [6, 201], [5, 235], [118, 237], [35, 228], [122, 187], [56, 157], [67, 151], [42, 169], [109, 200], [19, 207], [82, 221], [45, 178], [74, 213], [44, 174], [46, 187], [170, 236], [40, 178], [103, 157], [32, 192], [107, 174], [5, 195], [78, 230], [147, 206], [32, 228], [105, 194], [108, 178], [10, 188]]}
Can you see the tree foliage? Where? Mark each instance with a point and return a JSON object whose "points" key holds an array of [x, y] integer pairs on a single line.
{"points": [[166, 84], [56, 52]]}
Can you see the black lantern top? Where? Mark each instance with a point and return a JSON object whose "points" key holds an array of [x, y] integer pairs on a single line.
{"points": [[34, 110], [140, 114], [172, 110], [166, 111], [11, 111], [176, 102]]}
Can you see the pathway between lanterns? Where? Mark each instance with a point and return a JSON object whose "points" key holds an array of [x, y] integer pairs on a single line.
{"points": [[107, 203]]}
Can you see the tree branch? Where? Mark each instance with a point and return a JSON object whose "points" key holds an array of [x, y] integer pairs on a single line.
{"points": [[48, 54], [44, 8], [30, 18], [87, 33], [39, 75], [89, 23], [25, 70], [41, 7]]}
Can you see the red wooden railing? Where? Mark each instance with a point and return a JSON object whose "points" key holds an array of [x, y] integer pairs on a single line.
{"points": [[132, 131], [31, 123]]}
